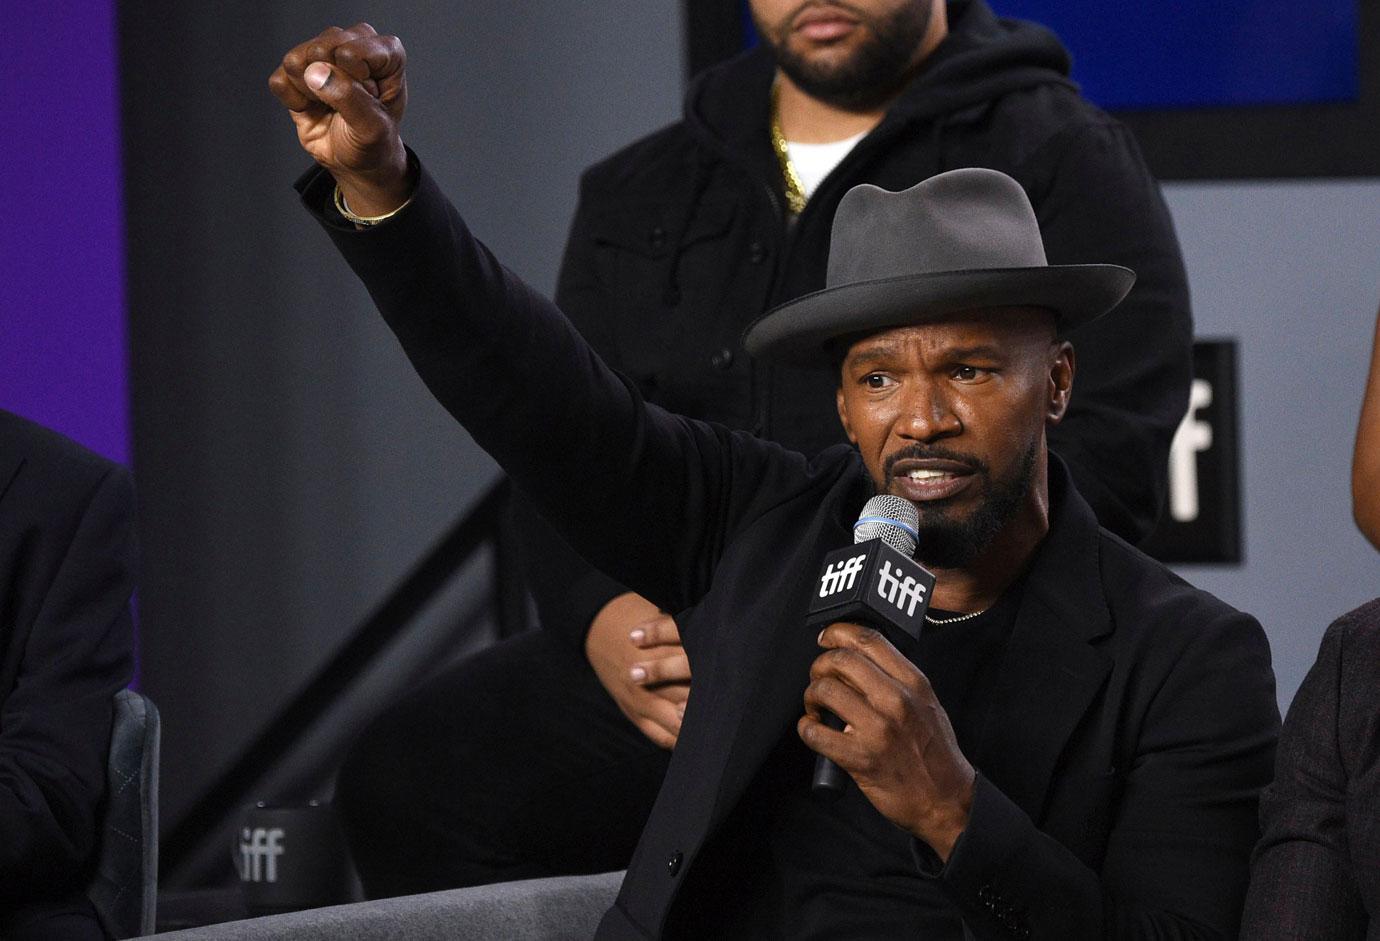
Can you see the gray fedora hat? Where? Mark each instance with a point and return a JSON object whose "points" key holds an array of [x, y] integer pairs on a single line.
{"points": [[961, 240]]}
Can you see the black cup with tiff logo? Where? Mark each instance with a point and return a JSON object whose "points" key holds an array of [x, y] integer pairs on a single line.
{"points": [[292, 858]]}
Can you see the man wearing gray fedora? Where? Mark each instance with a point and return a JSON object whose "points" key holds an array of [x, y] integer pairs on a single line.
{"points": [[678, 242], [1073, 747]]}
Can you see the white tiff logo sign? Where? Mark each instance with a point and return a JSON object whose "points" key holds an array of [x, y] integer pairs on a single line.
{"points": [[1192, 437], [898, 590], [840, 576], [260, 848]]}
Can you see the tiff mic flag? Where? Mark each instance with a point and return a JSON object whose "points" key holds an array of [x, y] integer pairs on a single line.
{"points": [[876, 583]]}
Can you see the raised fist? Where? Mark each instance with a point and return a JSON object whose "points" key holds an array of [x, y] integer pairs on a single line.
{"points": [[346, 90]]}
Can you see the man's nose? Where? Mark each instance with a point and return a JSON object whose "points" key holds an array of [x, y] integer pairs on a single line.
{"points": [[928, 414]]}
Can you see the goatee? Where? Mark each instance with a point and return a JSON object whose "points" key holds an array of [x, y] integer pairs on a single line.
{"points": [[876, 70], [947, 543]]}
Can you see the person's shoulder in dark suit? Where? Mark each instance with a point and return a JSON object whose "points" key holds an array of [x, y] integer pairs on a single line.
{"points": [[67, 558], [1316, 870]]}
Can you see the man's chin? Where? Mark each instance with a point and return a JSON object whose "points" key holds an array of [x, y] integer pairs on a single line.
{"points": [[864, 66], [945, 547], [950, 536], [829, 78], [827, 60]]}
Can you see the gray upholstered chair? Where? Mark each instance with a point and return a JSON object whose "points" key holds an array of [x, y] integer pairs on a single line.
{"points": [[566, 908], [124, 889]]}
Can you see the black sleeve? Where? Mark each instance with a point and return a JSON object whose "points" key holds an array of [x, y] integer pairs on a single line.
{"points": [[1183, 827], [1134, 365], [73, 590], [647, 496], [567, 590], [1303, 884]]}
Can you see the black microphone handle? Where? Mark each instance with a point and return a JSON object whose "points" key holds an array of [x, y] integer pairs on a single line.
{"points": [[829, 780]]}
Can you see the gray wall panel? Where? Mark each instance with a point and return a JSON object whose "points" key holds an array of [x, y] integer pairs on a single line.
{"points": [[1291, 270]]}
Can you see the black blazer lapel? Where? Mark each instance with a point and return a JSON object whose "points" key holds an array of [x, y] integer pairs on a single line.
{"points": [[1050, 673], [780, 666], [746, 694]]}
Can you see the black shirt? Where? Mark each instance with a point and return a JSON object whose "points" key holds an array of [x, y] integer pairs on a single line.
{"points": [[802, 867]]}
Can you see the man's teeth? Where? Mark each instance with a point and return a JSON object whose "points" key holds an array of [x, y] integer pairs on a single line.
{"points": [[923, 474]]}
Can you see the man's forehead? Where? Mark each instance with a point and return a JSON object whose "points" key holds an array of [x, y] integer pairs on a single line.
{"points": [[1007, 323]]}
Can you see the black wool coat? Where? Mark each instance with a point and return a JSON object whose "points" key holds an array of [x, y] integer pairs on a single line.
{"points": [[1135, 718], [67, 555]]}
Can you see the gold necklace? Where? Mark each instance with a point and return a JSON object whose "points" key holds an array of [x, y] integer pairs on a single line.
{"points": [[795, 190]]}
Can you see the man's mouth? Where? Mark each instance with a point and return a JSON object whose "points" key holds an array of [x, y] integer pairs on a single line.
{"points": [[929, 479], [824, 23]]}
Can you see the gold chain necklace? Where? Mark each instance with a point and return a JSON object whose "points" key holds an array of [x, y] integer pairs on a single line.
{"points": [[795, 190]]}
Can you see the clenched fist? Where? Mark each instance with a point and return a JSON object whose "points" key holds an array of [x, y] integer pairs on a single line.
{"points": [[347, 90]]}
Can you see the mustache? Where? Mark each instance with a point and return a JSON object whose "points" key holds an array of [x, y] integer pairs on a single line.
{"points": [[921, 452]]}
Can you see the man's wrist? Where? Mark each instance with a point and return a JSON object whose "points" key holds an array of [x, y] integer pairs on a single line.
{"points": [[943, 826], [381, 191], [943, 839], [363, 222]]}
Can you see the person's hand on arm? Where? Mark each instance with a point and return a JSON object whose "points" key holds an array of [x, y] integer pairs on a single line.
{"points": [[347, 90], [897, 743], [636, 653], [1365, 464]]}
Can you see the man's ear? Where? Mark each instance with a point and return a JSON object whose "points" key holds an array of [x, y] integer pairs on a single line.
{"points": [[842, 404], [1061, 370]]}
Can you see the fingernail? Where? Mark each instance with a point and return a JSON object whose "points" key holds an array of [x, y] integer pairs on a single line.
{"points": [[317, 75], [637, 635], [680, 710], [820, 639], [638, 674]]}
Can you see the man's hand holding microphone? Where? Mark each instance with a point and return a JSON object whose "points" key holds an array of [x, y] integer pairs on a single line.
{"points": [[869, 711]]}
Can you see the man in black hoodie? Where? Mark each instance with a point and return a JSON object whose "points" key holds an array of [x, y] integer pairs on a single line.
{"points": [[543, 754]]}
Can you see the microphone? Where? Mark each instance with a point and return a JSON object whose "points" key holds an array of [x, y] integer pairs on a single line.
{"points": [[873, 582]]}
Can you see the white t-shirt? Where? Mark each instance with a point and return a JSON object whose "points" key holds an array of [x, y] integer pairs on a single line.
{"points": [[813, 162]]}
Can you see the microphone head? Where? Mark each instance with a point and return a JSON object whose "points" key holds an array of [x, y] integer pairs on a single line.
{"points": [[892, 519]]}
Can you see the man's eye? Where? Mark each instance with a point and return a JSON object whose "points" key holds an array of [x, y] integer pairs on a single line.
{"points": [[966, 373], [876, 381]]}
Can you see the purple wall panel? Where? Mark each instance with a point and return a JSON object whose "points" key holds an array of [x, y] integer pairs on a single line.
{"points": [[62, 311]]}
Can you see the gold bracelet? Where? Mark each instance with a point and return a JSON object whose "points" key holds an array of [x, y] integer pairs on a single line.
{"points": [[364, 221]]}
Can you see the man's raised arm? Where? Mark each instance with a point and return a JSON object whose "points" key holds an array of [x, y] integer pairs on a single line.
{"points": [[576, 437]]}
